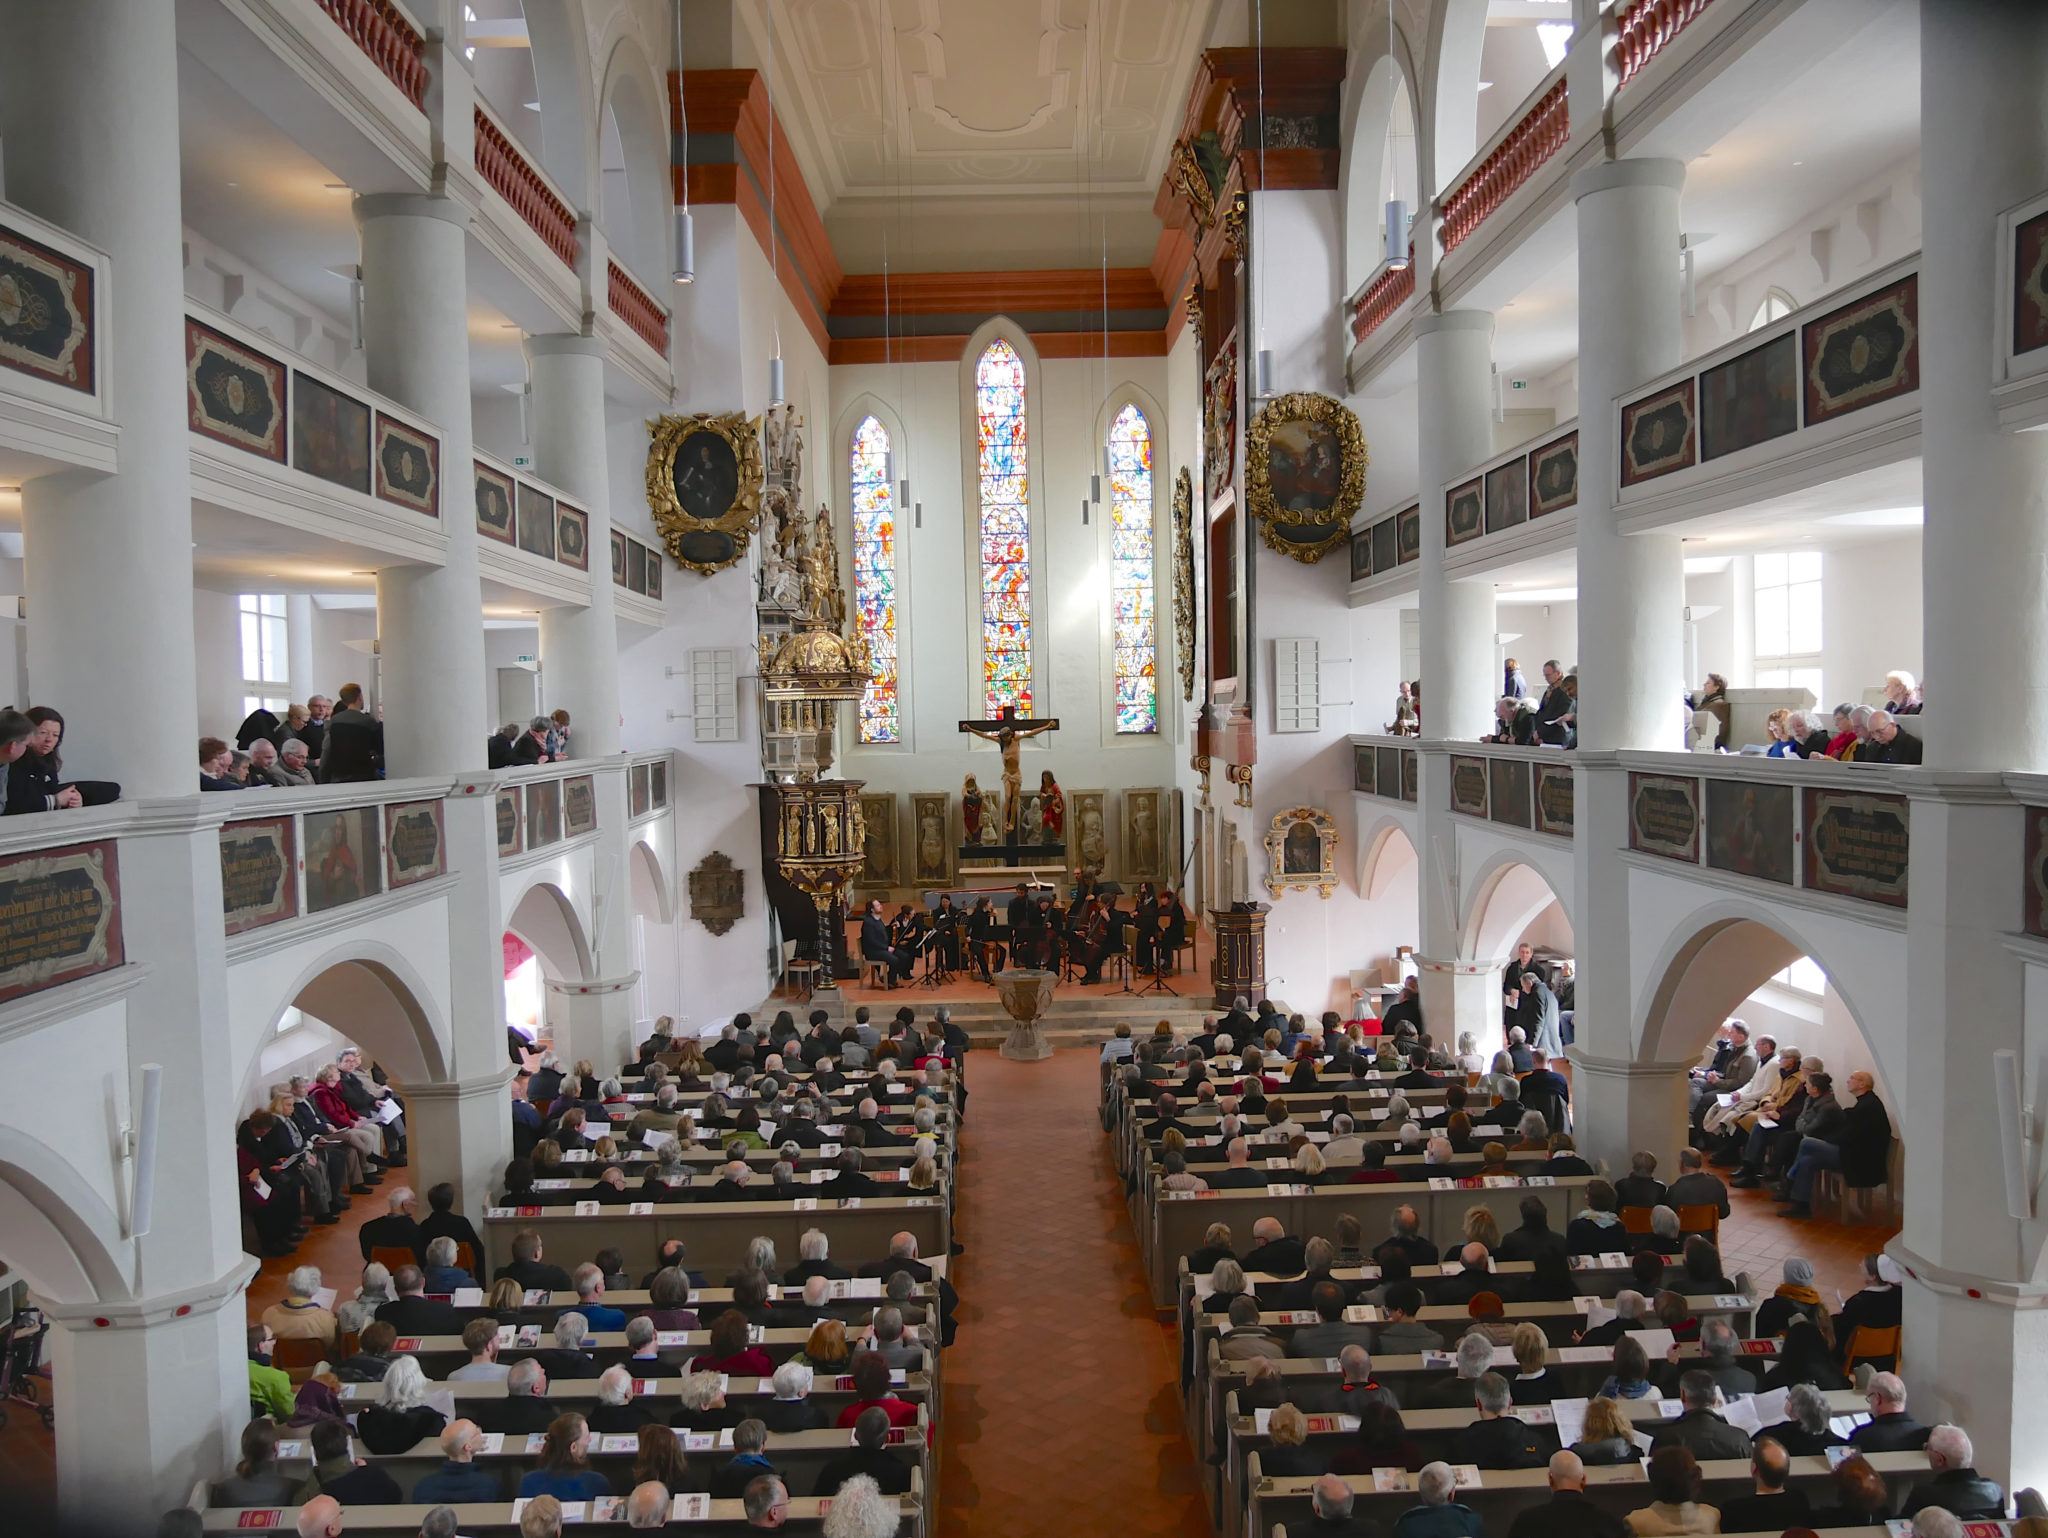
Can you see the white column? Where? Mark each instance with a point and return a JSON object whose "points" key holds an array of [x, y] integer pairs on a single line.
{"points": [[460, 1131], [429, 618], [1631, 589], [579, 645], [298, 646], [1977, 1339], [1982, 560], [89, 112], [1454, 356]]}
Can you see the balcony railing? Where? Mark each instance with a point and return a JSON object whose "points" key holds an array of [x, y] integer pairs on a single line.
{"points": [[1644, 30], [390, 42], [1384, 767], [1542, 131], [636, 307], [1384, 298], [1532, 481], [507, 171]]}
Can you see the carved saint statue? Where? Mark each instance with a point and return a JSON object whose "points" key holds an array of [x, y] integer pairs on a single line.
{"points": [[1052, 808], [970, 810]]}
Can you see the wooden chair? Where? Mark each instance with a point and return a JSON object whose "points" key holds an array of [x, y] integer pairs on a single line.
{"points": [[874, 974], [346, 1344], [297, 1358], [1704, 1219], [392, 1256], [793, 969], [1866, 1343], [1636, 1220], [466, 1258]]}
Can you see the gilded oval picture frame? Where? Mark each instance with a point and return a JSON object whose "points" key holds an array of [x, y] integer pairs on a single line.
{"points": [[1305, 461], [704, 487]]}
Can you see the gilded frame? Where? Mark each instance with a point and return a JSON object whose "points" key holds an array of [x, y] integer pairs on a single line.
{"points": [[1184, 580], [1293, 829], [1294, 531], [705, 542]]}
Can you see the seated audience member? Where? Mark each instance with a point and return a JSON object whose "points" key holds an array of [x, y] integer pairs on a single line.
{"points": [[1887, 743], [1405, 1235], [321, 1518], [1861, 1497], [1772, 1507], [289, 770], [871, 1384], [825, 1349], [792, 1408], [870, 1457], [1806, 1355], [1857, 1141], [1630, 1307], [569, 1356], [728, 1351], [1329, 1337], [257, 1480], [1701, 1430], [372, 1356], [1675, 1505], [814, 1252], [1403, 1334], [615, 1411], [1498, 1439], [299, 1316], [1956, 1487], [668, 1294], [1289, 1456], [442, 1220], [525, 1408], [480, 1340], [1245, 1337], [1719, 1361], [1631, 1376], [402, 1417], [340, 1476], [1331, 1512], [216, 765], [396, 1228], [1640, 1187], [1877, 1306], [1567, 1514], [1805, 1432], [1381, 1442], [1439, 1514], [1608, 1437], [1564, 1160], [1533, 1236], [442, 1275], [1474, 1361], [565, 1472], [1697, 1186], [1274, 1252], [528, 1269], [1597, 1229], [661, 1460], [412, 1312], [1890, 1429], [588, 1281], [458, 1480], [1794, 1297], [269, 1387], [33, 782]]}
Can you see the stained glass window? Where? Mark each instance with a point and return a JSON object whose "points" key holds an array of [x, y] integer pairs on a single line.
{"points": [[874, 578], [1130, 571], [1005, 530]]}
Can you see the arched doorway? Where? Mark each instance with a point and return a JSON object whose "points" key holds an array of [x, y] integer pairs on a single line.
{"points": [[656, 955], [544, 942]]}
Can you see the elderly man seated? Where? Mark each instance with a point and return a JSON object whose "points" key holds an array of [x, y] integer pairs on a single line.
{"points": [[1862, 1152], [1439, 1515], [1567, 1514]]}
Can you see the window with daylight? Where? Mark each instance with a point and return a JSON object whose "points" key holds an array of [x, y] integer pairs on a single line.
{"points": [[874, 579], [1788, 613], [1130, 572], [266, 668], [1005, 530]]}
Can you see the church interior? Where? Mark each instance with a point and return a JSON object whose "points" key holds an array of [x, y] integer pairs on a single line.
{"points": [[1184, 575]]}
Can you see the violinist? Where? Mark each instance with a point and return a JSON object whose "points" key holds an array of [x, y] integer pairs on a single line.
{"points": [[1106, 938], [981, 937], [946, 926], [1173, 931]]}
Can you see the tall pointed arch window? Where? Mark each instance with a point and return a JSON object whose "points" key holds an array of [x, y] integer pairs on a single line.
{"points": [[1002, 444], [1130, 571], [874, 579]]}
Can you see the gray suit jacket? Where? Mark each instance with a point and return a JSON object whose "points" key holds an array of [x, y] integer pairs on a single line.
{"points": [[1329, 1338]]}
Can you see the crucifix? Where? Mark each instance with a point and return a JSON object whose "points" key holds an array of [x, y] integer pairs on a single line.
{"points": [[1006, 731]]}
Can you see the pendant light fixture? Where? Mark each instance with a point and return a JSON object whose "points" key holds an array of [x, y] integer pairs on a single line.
{"points": [[775, 393], [1397, 208], [1263, 387], [685, 268]]}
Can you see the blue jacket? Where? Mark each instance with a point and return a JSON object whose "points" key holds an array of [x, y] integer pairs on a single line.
{"points": [[585, 1486], [601, 1318], [874, 939], [1450, 1521], [452, 1484]]}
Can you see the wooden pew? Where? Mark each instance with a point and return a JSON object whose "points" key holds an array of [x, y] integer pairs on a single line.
{"points": [[439, 1355], [717, 1232]]}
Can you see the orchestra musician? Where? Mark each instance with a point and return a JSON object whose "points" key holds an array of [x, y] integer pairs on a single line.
{"points": [[1106, 937], [900, 928], [946, 925], [1162, 928], [981, 936]]}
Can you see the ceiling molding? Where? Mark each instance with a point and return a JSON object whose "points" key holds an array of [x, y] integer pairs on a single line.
{"points": [[948, 348]]}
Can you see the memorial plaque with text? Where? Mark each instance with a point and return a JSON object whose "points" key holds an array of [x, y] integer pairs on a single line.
{"points": [[1554, 799], [1386, 772], [1363, 764], [1411, 774], [579, 806], [1664, 816], [414, 849], [657, 783], [543, 813], [640, 789], [1749, 829], [60, 916], [511, 821], [1856, 845], [259, 879], [1509, 796], [1468, 786]]}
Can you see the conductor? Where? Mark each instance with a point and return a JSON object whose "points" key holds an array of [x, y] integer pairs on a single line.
{"points": [[875, 946]]}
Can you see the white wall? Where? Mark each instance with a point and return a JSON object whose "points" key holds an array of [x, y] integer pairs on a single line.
{"points": [[217, 641], [1821, 1028], [1870, 615]]}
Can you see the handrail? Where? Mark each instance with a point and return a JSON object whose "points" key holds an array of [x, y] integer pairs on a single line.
{"points": [[637, 308], [504, 166], [1383, 298], [1645, 29], [389, 41], [1539, 134]]}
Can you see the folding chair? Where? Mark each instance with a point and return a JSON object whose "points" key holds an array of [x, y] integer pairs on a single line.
{"points": [[392, 1256], [466, 1258], [1703, 1219], [1871, 1344], [1636, 1220], [297, 1357]]}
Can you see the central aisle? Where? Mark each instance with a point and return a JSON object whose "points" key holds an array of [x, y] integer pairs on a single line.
{"points": [[1061, 1416]]}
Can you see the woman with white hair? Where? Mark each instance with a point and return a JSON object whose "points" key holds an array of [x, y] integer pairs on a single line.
{"points": [[761, 1258], [350, 1317], [1226, 1281], [1308, 1162], [402, 1419], [1470, 1059], [860, 1510], [1903, 692], [792, 1408], [615, 1410], [1500, 1081]]}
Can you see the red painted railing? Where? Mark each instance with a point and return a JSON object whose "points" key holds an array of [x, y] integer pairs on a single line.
{"points": [[1543, 131], [633, 305], [389, 41], [509, 173], [1644, 29], [1384, 298]]}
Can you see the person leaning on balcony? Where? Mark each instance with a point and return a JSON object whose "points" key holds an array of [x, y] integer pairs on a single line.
{"points": [[1713, 699], [354, 745], [1888, 744], [291, 768], [33, 781], [216, 760]]}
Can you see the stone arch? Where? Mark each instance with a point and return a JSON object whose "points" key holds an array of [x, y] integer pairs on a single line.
{"points": [[652, 899], [62, 1238], [371, 994], [1724, 953], [631, 113], [1452, 110], [1387, 92], [1507, 893], [1386, 851], [547, 920], [562, 84]]}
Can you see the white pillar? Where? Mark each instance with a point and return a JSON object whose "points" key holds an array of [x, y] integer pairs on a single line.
{"points": [[89, 112], [298, 647], [1977, 1340], [1454, 356], [1985, 603], [579, 645], [1631, 588], [429, 618]]}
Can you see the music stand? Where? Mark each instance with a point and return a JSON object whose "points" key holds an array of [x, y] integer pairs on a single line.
{"points": [[1158, 983], [936, 971]]}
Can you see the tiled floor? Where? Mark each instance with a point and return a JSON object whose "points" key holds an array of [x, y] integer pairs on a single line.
{"points": [[1755, 1239], [1060, 1415]]}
